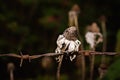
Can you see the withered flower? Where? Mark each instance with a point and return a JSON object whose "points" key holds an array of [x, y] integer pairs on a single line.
{"points": [[68, 40], [73, 15], [76, 8], [93, 35]]}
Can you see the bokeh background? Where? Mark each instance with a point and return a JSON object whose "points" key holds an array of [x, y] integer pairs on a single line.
{"points": [[32, 27]]}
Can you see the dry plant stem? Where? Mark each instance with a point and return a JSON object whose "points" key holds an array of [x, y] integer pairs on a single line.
{"points": [[78, 32], [83, 66], [92, 65], [104, 40], [59, 67], [60, 62], [11, 67], [82, 56], [103, 59], [11, 75]]}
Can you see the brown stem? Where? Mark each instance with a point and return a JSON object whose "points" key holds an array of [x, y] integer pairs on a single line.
{"points": [[58, 68], [83, 63], [103, 59], [92, 65], [104, 35], [82, 56], [11, 75], [104, 40], [83, 66], [11, 69]]}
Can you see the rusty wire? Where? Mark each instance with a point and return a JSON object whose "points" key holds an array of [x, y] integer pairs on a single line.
{"points": [[30, 57]]}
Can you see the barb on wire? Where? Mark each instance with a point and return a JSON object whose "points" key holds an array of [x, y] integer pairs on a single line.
{"points": [[28, 57]]}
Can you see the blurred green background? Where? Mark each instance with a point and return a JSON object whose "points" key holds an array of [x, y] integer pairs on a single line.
{"points": [[32, 26]]}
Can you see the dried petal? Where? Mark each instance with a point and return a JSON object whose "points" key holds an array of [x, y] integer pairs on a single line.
{"points": [[90, 38]]}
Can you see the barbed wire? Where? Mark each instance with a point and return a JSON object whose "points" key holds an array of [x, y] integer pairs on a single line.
{"points": [[30, 57]]}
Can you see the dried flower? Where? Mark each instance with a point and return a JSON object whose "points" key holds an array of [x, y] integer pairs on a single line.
{"points": [[76, 8], [93, 36], [73, 15], [69, 41]]}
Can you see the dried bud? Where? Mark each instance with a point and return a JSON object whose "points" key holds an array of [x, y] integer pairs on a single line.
{"points": [[76, 8], [93, 36], [70, 33], [102, 18], [47, 62], [95, 28], [10, 66]]}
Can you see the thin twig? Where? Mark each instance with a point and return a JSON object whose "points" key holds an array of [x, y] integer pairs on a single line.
{"points": [[82, 56], [92, 65], [104, 38], [11, 69], [83, 66], [103, 59], [59, 67], [11, 75], [74, 22]]}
